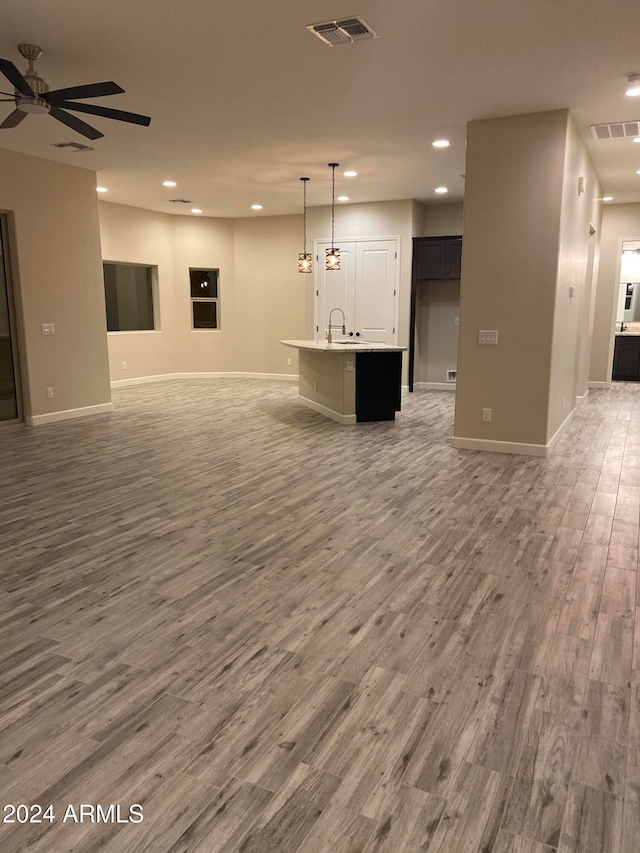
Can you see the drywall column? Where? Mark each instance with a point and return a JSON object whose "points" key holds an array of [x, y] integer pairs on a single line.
{"points": [[55, 247], [512, 214]]}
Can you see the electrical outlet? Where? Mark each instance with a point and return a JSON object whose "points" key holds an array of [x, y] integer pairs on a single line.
{"points": [[456, 321], [289, 362], [349, 366], [315, 385], [50, 393], [486, 414], [124, 365]]}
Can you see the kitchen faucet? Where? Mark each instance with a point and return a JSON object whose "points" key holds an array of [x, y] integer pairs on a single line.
{"points": [[344, 324]]}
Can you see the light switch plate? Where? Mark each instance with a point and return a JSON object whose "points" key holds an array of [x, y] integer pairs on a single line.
{"points": [[487, 336], [48, 329]]}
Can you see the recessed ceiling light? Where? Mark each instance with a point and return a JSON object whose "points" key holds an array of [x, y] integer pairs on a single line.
{"points": [[256, 207], [350, 174], [102, 190], [637, 171], [607, 198], [633, 85], [442, 190], [343, 198], [169, 184], [195, 210], [441, 143]]}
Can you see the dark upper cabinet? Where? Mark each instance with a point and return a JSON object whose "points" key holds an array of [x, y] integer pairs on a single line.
{"points": [[437, 257]]}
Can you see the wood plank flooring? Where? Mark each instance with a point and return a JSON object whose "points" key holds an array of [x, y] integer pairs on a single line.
{"points": [[276, 633]]}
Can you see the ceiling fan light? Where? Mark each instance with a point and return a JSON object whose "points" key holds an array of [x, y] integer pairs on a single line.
{"points": [[633, 85]]}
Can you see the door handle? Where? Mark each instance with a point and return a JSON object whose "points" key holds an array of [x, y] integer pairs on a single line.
{"points": [[357, 334], [350, 334]]}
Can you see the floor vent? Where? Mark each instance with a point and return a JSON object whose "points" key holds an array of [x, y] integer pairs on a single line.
{"points": [[615, 130], [345, 31]]}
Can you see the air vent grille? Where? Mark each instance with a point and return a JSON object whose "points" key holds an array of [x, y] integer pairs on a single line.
{"points": [[615, 130], [180, 201], [344, 31]]}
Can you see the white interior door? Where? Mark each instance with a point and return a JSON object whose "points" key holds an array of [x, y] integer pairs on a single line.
{"points": [[335, 289], [376, 264]]}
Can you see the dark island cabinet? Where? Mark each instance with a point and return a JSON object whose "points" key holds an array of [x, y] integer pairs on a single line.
{"points": [[626, 358], [437, 257]]}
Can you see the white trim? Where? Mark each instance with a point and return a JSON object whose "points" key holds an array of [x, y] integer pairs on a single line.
{"points": [[346, 420], [168, 377], [582, 398], [520, 448], [600, 384], [67, 414], [434, 386]]}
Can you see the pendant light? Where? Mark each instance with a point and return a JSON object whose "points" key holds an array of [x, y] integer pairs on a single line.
{"points": [[333, 254], [305, 263]]}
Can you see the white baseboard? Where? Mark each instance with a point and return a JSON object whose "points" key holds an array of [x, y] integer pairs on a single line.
{"points": [[520, 448], [168, 377], [346, 420], [67, 414], [600, 384], [434, 386], [582, 398]]}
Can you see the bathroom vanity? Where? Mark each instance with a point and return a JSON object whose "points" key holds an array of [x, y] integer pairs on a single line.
{"points": [[626, 356], [349, 382]]}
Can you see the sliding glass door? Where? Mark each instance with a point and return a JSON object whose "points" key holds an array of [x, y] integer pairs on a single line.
{"points": [[8, 373]]}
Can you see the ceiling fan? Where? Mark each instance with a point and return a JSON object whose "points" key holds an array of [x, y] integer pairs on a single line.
{"points": [[32, 95]]}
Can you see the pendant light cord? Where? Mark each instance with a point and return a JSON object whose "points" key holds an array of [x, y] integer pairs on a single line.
{"points": [[304, 184], [333, 201]]}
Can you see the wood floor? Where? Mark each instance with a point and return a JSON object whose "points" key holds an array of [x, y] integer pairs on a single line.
{"points": [[276, 633]]}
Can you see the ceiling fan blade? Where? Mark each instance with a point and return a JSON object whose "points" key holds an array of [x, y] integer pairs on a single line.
{"points": [[14, 76], [106, 112], [91, 90], [13, 119], [75, 123], [7, 100]]}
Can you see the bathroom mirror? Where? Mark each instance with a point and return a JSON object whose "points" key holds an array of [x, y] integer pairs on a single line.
{"points": [[628, 309]]}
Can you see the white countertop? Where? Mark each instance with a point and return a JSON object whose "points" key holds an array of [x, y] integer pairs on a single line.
{"points": [[351, 346]]}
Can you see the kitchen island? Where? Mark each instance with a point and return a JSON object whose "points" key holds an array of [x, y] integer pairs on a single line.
{"points": [[349, 382]]}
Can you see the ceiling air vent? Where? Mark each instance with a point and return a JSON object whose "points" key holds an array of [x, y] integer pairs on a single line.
{"points": [[180, 201], [344, 31], [615, 130]]}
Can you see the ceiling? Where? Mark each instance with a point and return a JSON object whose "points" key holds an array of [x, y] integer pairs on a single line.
{"points": [[245, 100]]}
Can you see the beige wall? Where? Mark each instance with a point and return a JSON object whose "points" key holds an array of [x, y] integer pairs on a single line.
{"points": [[272, 295], [512, 212], [570, 342], [438, 307], [57, 274], [261, 294], [619, 222], [442, 220]]}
